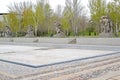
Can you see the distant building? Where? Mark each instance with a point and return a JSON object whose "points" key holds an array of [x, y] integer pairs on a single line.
{"points": [[1, 16]]}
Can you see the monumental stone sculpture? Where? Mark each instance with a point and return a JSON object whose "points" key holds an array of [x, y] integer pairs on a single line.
{"points": [[59, 31], [106, 29], [30, 31], [8, 32]]}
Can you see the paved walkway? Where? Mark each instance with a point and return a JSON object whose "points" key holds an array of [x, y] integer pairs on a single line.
{"points": [[42, 56], [99, 68], [114, 78]]}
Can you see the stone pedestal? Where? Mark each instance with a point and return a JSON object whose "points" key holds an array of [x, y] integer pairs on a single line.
{"points": [[31, 34], [59, 35], [106, 35], [74, 41]]}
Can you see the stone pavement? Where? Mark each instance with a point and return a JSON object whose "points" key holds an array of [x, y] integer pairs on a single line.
{"points": [[114, 78], [39, 56], [73, 62]]}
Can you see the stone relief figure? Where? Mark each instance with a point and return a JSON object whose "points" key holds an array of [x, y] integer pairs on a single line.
{"points": [[8, 32], [106, 24], [106, 27], [59, 31], [30, 31]]}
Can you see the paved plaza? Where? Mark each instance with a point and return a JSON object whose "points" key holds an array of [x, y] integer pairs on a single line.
{"points": [[45, 61], [38, 56]]}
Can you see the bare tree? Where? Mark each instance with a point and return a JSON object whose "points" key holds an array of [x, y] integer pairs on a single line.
{"points": [[58, 11], [19, 7], [75, 9]]}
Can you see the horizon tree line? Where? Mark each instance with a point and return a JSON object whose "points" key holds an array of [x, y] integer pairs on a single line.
{"points": [[73, 17]]}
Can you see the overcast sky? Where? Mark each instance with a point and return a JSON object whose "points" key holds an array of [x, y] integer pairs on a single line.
{"points": [[53, 3]]}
